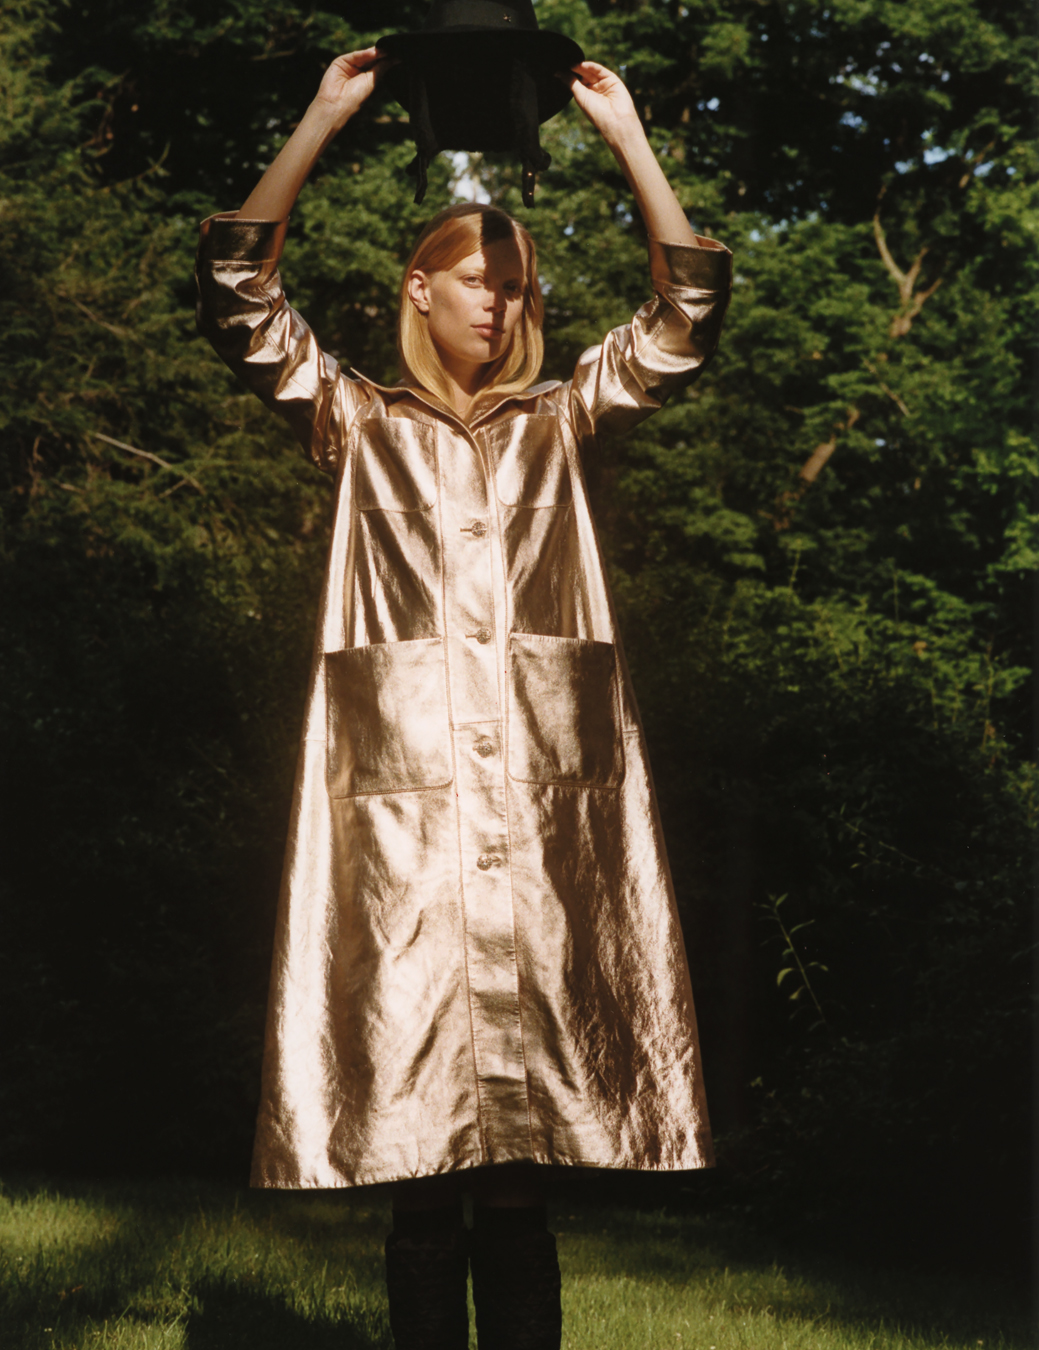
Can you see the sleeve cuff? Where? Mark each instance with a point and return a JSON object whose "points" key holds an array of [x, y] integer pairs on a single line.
{"points": [[706, 267], [227, 238]]}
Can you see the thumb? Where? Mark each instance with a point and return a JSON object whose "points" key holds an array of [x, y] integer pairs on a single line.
{"points": [[569, 78], [572, 75], [382, 65]]}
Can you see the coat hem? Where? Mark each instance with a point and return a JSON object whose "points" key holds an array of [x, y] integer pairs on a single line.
{"points": [[577, 1164]]}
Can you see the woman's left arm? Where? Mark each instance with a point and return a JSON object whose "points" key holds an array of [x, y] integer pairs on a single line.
{"points": [[672, 337], [605, 101]]}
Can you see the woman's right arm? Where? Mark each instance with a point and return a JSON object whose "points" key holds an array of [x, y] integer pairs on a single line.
{"points": [[242, 308], [347, 82]]}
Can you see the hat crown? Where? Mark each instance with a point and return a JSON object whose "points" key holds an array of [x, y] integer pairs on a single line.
{"points": [[479, 75], [517, 15]]}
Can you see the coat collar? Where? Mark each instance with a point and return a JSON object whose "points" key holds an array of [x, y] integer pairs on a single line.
{"points": [[439, 406]]}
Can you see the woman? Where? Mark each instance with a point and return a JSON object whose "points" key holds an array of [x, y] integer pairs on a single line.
{"points": [[478, 970]]}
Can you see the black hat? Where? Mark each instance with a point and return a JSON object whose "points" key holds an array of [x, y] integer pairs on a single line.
{"points": [[479, 75]]}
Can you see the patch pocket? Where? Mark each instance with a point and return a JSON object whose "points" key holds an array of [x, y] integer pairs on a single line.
{"points": [[564, 712], [396, 465], [387, 723], [530, 461]]}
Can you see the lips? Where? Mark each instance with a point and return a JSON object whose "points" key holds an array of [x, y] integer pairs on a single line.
{"points": [[488, 330]]}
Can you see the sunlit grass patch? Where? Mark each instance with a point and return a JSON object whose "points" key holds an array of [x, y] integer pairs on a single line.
{"points": [[31, 1225], [180, 1266], [171, 1266]]}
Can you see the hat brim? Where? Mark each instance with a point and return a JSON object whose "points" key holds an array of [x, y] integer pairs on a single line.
{"points": [[554, 51], [470, 110]]}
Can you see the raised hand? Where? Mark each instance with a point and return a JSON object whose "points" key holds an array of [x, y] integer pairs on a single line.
{"points": [[605, 101], [346, 84], [603, 98], [348, 81]]}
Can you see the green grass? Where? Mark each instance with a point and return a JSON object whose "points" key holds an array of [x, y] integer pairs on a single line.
{"points": [[183, 1266]]}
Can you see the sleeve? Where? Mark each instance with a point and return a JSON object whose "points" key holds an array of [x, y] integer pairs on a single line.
{"points": [[243, 312], [666, 345]]}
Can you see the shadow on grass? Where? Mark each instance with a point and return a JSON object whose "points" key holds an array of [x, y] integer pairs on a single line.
{"points": [[744, 1271], [243, 1319]]}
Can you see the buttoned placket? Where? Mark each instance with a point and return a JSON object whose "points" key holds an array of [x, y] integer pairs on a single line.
{"points": [[475, 618], [476, 638]]}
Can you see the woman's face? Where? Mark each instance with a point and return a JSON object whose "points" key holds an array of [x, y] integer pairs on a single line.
{"points": [[474, 306]]}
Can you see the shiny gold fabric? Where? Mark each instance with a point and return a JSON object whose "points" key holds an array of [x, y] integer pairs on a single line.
{"points": [[478, 958]]}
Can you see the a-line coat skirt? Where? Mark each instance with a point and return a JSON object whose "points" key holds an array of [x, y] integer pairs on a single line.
{"points": [[477, 956]]}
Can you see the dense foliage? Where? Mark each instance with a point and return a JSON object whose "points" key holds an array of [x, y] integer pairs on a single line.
{"points": [[822, 555]]}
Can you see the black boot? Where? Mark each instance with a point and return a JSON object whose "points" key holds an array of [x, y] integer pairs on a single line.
{"points": [[427, 1268], [515, 1280]]}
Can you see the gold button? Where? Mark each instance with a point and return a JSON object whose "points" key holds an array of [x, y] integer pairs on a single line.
{"points": [[478, 528], [484, 748], [483, 635], [486, 861]]}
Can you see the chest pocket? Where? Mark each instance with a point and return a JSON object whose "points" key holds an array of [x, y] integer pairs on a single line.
{"points": [[396, 465], [530, 462]]}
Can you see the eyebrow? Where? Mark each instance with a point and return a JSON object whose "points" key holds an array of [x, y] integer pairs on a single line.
{"points": [[481, 272]]}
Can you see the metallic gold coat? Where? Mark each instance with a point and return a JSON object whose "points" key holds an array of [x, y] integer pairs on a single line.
{"points": [[478, 957]]}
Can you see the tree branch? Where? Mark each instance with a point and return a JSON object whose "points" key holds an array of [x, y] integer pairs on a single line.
{"points": [[111, 327], [974, 163], [905, 281], [885, 253], [155, 459], [895, 398], [809, 472]]}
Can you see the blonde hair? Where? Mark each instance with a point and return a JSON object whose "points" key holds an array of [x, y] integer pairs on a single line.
{"points": [[449, 237]]}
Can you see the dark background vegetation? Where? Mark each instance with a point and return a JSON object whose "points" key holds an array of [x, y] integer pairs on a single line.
{"points": [[822, 555]]}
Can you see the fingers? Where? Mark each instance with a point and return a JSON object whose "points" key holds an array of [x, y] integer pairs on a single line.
{"points": [[370, 59], [591, 72], [362, 59], [352, 78], [383, 64]]}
